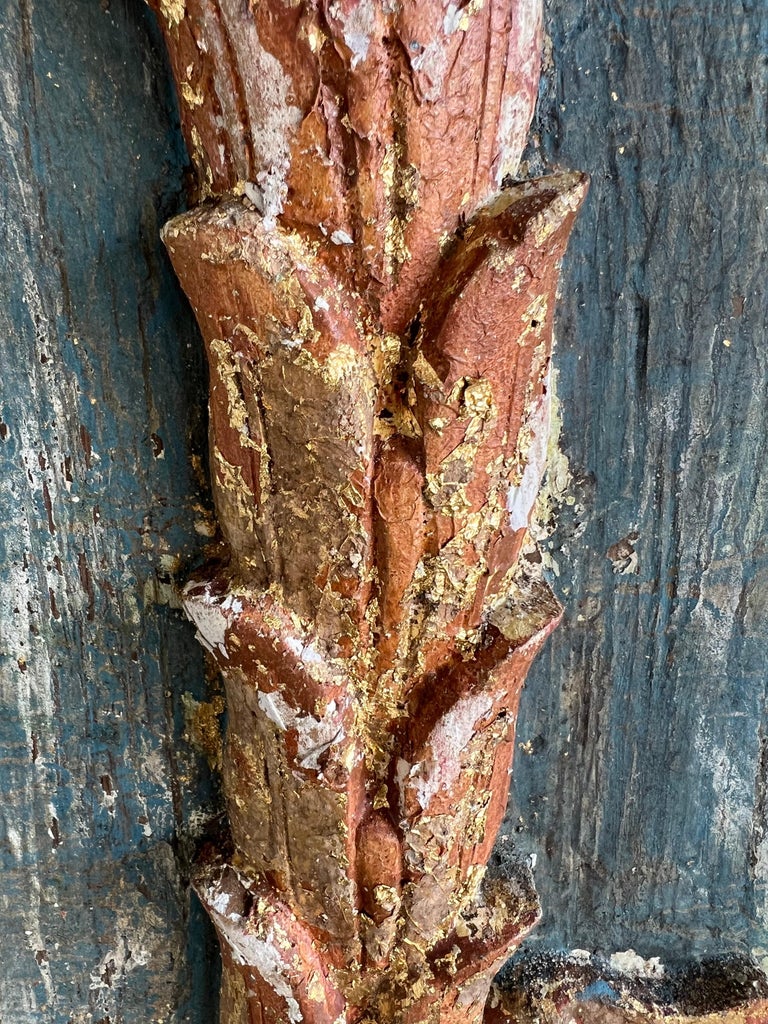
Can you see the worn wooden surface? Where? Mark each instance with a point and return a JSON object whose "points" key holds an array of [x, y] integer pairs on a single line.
{"points": [[648, 821], [375, 418], [644, 793], [100, 383]]}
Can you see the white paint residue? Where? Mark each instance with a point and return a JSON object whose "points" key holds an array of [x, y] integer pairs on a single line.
{"points": [[473, 994], [110, 799], [521, 499], [13, 836], [263, 955], [449, 738], [513, 129], [221, 903], [277, 710], [232, 604], [35, 628], [431, 63], [154, 765], [26, 685], [731, 785], [629, 962], [761, 871], [317, 735], [253, 192], [305, 652], [265, 958], [517, 107], [712, 623], [713, 616], [760, 953], [274, 120], [314, 735], [211, 625], [358, 27], [454, 19], [274, 188], [211, 616], [315, 664], [34, 937], [134, 935]]}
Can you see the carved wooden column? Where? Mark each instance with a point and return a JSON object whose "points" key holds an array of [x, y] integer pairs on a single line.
{"points": [[376, 295]]}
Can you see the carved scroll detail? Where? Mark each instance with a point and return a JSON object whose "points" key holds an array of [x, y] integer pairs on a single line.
{"points": [[376, 295]]}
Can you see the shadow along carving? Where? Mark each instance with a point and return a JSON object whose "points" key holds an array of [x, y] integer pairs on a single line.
{"points": [[375, 292]]}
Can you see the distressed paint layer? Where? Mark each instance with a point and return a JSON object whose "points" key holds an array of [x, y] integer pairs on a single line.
{"points": [[379, 351], [97, 506], [643, 796], [381, 124]]}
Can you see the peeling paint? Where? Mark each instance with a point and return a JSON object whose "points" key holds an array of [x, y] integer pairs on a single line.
{"points": [[358, 25], [521, 498], [449, 738], [212, 617]]}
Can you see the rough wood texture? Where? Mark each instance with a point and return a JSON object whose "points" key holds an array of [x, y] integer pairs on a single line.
{"points": [[644, 790], [99, 426], [376, 299], [373, 122], [679, 215], [542, 988]]}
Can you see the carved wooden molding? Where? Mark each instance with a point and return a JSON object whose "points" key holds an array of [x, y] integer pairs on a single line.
{"points": [[376, 294]]}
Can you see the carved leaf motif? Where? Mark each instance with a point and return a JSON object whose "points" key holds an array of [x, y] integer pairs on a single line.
{"points": [[379, 124], [377, 312]]}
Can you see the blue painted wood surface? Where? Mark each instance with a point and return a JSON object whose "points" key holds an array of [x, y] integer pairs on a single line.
{"points": [[643, 792], [101, 396]]}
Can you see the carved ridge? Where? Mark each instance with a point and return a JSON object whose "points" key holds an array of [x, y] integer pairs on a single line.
{"points": [[377, 315]]}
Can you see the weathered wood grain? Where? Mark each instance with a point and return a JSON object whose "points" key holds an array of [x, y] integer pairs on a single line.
{"points": [[100, 373], [651, 831], [644, 793]]}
